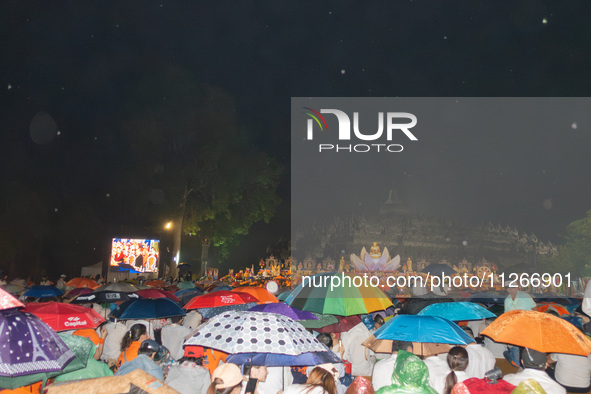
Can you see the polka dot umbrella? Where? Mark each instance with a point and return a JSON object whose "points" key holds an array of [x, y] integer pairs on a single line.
{"points": [[255, 332]]}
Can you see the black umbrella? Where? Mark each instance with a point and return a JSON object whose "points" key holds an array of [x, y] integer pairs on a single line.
{"points": [[416, 304], [105, 296], [439, 269]]}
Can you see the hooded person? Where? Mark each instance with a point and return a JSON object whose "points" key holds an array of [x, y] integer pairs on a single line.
{"points": [[410, 375], [189, 375], [83, 347]]}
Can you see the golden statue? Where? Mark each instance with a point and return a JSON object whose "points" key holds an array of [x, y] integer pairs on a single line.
{"points": [[374, 251], [409, 265]]}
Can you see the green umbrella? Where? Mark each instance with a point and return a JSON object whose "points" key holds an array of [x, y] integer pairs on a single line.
{"points": [[323, 321], [187, 284]]}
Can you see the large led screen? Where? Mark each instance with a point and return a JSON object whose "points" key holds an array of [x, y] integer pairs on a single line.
{"points": [[139, 255]]}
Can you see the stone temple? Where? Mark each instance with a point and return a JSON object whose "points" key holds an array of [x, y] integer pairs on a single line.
{"points": [[424, 239]]}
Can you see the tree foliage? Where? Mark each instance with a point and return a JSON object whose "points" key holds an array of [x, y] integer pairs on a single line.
{"points": [[190, 159], [574, 255]]}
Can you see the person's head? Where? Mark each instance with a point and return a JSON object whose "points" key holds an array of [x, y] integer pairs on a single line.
{"points": [[226, 379], [150, 348], [259, 372], [325, 339], [176, 319], [512, 291], [378, 321], [401, 345], [323, 378], [193, 353], [468, 331], [137, 332], [457, 360], [533, 359]]}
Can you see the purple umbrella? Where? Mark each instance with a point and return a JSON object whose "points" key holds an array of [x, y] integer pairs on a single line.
{"points": [[285, 310], [78, 291], [29, 346]]}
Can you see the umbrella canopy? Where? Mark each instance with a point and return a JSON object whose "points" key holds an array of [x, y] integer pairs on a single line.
{"points": [[285, 310], [320, 321], [156, 283], [424, 349], [255, 332], [187, 295], [82, 282], [344, 324], [39, 291], [280, 360], [7, 301], [157, 293], [413, 328], [118, 286], [60, 316], [12, 288], [147, 308], [29, 346], [102, 297], [539, 331], [220, 298], [489, 297], [331, 293], [552, 307], [417, 304], [211, 289], [187, 284], [208, 313], [78, 291], [283, 296], [438, 270], [263, 295], [457, 311]]}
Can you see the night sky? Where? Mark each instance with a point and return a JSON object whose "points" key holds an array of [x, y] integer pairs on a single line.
{"points": [[78, 61]]}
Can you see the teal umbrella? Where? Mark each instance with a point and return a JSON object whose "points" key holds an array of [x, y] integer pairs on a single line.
{"points": [[457, 311], [428, 329], [321, 321], [186, 285]]}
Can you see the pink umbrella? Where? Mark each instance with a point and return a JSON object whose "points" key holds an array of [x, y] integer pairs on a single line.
{"points": [[157, 293], [7, 301]]}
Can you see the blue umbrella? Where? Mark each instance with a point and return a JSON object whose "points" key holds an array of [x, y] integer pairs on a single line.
{"points": [[282, 360], [285, 310], [43, 291], [187, 295], [457, 311], [223, 287], [147, 308], [430, 329]]}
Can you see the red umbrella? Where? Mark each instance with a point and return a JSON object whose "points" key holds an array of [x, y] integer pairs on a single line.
{"points": [[220, 298], [157, 293], [60, 316], [7, 301], [344, 324], [76, 292]]}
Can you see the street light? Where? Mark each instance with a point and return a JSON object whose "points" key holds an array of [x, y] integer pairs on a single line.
{"points": [[168, 226]]}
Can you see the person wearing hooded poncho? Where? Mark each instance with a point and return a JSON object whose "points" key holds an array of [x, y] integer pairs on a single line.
{"points": [[411, 375], [83, 347]]}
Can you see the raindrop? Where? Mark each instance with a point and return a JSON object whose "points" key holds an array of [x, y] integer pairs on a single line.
{"points": [[548, 203], [108, 194], [465, 243], [574, 125], [43, 128], [544, 21], [343, 71], [9, 86]]}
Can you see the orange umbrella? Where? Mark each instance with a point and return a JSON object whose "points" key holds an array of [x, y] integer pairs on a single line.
{"points": [[262, 294], [551, 306], [539, 331], [155, 283], [82, 282]]}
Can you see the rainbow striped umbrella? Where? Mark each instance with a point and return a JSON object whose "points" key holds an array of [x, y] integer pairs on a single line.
{"points": [[337, 294]]}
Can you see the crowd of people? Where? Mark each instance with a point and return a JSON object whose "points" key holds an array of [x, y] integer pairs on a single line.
{"points": [[158, 347]]}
